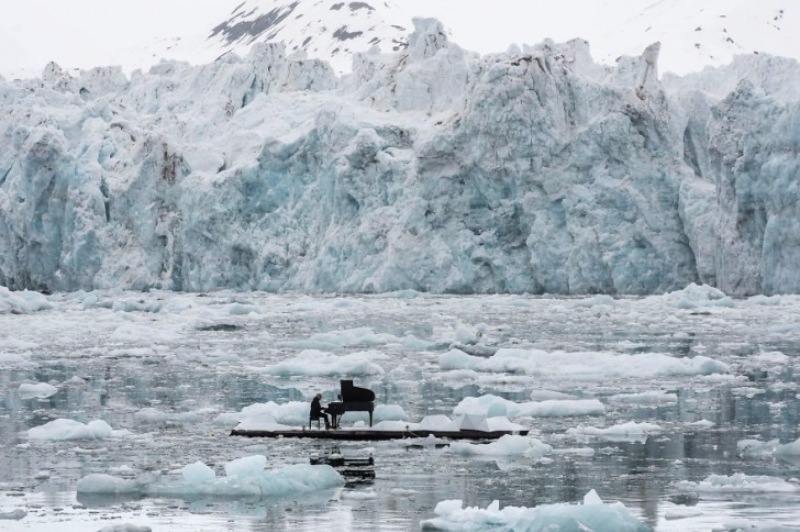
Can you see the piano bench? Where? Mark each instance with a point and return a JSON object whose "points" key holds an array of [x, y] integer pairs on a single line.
{"points": [[311, 420]]}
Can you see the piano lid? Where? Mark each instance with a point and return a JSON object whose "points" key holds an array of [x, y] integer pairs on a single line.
{"points": [[352, 393]]}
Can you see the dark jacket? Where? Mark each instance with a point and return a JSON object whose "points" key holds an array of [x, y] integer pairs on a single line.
{"points": [[316, 408]]}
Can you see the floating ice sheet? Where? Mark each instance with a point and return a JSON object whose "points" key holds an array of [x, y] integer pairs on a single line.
{"points": [[630, 431], [68, 429], [592, 516], [244, 478], [492, 405], [739, 483], [582, 365], [510, 445], [39, 390]]}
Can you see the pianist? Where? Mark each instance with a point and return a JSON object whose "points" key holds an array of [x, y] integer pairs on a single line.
{"points": [[318, 412]]}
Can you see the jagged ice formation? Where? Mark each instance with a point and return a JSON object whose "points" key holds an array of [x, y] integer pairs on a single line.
{"points": [[432, 169]]}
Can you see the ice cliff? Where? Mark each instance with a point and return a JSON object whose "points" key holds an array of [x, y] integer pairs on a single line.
{"points": [[432, 169]]}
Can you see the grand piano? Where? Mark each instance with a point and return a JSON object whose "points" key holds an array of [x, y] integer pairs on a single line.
{"points": [[351, 399]]}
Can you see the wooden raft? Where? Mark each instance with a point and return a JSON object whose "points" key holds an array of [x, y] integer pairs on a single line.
{"points": [[377, 435]]}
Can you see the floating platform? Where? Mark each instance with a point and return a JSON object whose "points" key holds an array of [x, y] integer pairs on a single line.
{"points": [[377, 435]]}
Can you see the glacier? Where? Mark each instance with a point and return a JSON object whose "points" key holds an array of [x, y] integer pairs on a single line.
{"points": [[433, 169]]}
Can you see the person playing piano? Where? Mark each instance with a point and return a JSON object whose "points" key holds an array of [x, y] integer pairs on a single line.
{"points": [[318, 412]]}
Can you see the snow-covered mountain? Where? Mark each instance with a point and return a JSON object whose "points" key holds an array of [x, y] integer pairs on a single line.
{"points": [[138, 34], [431, 168]]}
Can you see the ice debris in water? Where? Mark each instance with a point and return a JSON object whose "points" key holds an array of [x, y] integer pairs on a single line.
{"points": [[320, 364], [125, 528], [790, 449], [509, 445], [13, 515], [22, 302], [592, 516], [39, 390], [244, 477], [581, 365], [492, 405], [738, 483], [68, 429], [622, 432]]}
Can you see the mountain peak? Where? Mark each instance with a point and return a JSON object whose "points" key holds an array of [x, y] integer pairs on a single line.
{"points": [[329, 29]]}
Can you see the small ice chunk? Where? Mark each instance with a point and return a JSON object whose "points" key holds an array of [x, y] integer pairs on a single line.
{"points": [[473, 422], [40, 390], [624, 431], [508, 445], [13, 515], [593, 514], [790, 449], [197, 473], [592, 498], [246, 467], [124, 527], [438, 422], [466, 334], [100, 483], [68, 429], [739, 483]]}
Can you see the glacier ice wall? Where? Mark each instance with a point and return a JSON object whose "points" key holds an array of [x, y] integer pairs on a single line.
{"points": [[433, 169]]}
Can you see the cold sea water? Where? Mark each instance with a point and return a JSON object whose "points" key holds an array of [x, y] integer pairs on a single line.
{"points": [[170, 373]]}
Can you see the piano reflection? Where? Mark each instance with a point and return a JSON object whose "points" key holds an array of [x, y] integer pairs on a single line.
{"points": [[351, 399]]}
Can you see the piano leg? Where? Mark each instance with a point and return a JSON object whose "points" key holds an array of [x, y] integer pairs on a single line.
{"points": [[370, 418]]}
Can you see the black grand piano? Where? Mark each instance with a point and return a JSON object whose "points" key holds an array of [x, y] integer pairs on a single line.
{"points": [[351, 399]]}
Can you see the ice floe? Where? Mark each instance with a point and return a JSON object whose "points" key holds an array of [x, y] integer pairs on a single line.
{"points": [[738, 483], [492, 405], [125, 527], [509, 445], [623, 432], [22, 302], [68, 429], [315, 363], [582, 365], [13, 515], [789, 449], [593, 515], [245, 477], [39, 390], [649, 398]]}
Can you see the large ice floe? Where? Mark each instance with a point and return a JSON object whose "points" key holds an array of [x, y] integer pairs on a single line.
{"points": [[433, 169], [38, 390], [581, 365], [630, 431], [492, 405], [739, 483], [68, 429], [593, 515], [507, 446], [244, 477]]}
